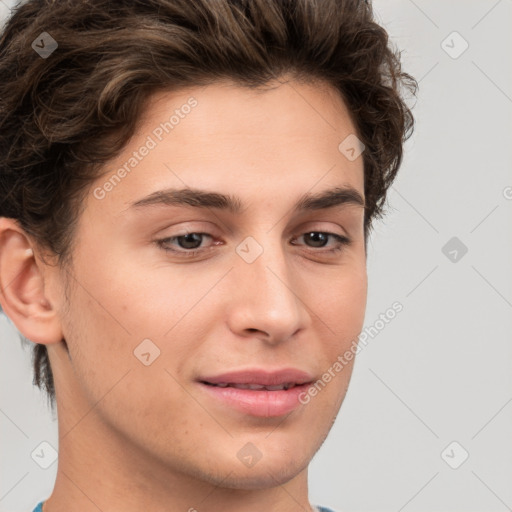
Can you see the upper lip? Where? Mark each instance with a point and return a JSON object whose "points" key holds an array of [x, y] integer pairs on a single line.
{"points": [[262, 377]]}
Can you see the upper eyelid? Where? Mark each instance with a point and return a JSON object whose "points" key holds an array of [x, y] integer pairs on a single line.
{"points": [[302, 228], [212, 236]]}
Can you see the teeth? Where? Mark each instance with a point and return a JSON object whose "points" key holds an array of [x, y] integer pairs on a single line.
{"points": [[287, 385], [279, 387], [247, 386]]}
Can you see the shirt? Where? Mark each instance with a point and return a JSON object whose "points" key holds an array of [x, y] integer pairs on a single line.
{"points": [[318, 507]]}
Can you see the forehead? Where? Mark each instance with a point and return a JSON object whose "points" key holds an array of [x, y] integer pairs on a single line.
{"points": [[244, 142], [228, 110]]}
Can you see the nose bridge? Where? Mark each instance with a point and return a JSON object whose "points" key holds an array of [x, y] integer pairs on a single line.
{"points": [[266, 289]]}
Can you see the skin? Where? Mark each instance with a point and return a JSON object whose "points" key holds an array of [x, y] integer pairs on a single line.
{"points": [[135, 437]]}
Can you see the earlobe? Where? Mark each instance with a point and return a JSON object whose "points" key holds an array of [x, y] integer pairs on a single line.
{"points": [[22, 286]]}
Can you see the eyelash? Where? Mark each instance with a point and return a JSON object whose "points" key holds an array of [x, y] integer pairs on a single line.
{"points": [[342, 243]]}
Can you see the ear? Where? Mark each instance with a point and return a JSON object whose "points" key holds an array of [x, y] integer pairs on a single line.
{"points": [[22, 286]]}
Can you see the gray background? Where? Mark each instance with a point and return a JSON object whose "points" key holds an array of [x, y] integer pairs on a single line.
{"points": [[441, 370]]}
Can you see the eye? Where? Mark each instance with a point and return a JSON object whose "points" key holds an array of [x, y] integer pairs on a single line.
{"points": [[320, 237], [189, 243]]}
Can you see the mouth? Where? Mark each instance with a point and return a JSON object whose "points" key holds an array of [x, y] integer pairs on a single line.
{"points": [[255, 387], [258, 392]]}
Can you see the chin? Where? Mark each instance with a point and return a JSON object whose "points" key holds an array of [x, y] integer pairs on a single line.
{"points": [[262, 477], [278, 464]]}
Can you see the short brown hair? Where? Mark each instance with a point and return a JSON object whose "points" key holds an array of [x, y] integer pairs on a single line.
{"points": [[64, 116]]}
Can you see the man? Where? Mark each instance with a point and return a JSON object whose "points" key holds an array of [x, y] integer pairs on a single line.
{"points": [[188, 188]]}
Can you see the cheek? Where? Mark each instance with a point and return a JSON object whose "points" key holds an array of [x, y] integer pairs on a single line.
{"points": [[112, 311], [342, 302], [99, 334], [343, 313], [100, 354]]}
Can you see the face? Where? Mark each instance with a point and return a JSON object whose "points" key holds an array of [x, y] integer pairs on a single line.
{"points": [[180, 290]]}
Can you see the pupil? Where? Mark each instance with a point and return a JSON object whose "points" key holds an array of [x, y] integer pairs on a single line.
{"points": [[192, 236], [315, 235]]}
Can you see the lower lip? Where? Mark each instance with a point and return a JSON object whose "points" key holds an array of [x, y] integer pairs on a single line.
{"points": [[261, 403]]}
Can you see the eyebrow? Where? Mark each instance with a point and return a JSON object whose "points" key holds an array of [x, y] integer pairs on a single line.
{"points": [[196, 198]]}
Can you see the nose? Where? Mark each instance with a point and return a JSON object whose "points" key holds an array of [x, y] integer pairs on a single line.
{"points": [[267, 297]]}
